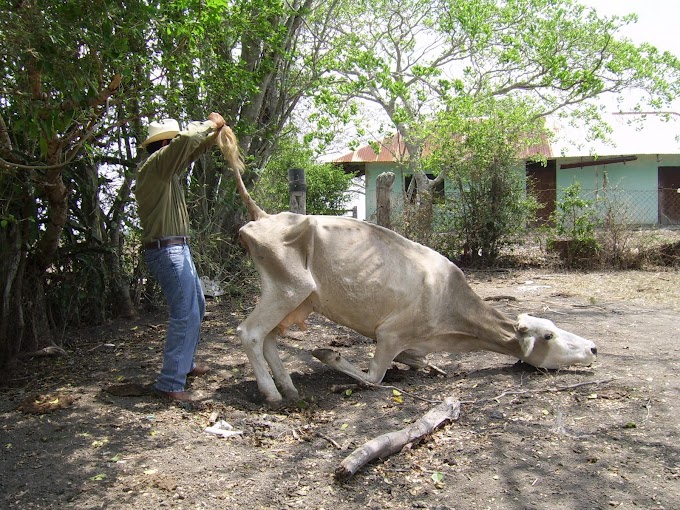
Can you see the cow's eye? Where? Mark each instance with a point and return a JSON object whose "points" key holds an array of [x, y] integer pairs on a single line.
{"points": [[548, 336]]}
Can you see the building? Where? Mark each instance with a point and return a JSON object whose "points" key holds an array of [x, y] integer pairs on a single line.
{"points": [[639, 168]]}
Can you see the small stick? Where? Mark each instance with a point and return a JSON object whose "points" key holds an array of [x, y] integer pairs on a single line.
{"points": [[542, 390], [330, 440]]}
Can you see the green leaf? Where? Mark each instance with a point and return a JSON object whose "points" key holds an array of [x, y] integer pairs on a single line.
{"points": [[43, 147], [438, 478]]}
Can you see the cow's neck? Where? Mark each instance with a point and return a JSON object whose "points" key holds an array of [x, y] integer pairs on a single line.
{"points": [[489, 329]]}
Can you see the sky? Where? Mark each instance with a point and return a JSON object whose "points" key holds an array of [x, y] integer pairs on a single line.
{"points": [[658, 25], [657, 20]]}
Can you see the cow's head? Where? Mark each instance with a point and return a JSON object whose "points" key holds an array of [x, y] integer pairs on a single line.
{"points": [[545, 345]]}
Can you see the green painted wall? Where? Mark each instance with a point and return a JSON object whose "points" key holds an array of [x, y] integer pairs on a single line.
{"points": [[632, 186]]}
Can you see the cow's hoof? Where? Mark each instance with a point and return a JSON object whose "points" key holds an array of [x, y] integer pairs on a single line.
{"points": [[275, 405], [291, 395]]}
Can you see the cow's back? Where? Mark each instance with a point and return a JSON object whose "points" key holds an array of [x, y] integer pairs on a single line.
{"points": [[363, 274]]}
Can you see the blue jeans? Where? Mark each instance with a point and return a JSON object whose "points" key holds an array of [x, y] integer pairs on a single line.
{"points": [[174, 270]]}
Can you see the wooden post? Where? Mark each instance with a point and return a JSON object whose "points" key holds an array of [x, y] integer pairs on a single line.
{"points": [[383, 185], [297, 186]]}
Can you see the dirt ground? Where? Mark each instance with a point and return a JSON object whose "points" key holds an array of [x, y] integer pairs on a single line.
{"points": [[610, 443]]}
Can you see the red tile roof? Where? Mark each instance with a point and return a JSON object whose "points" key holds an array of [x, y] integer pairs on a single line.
{"points": [[393, 149], [544, 148]]}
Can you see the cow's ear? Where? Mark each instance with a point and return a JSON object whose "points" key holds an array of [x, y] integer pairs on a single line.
{"points": [[526, 343], [521, 325]]}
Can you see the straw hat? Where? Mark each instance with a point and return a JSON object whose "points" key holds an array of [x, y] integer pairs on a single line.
{"points": [[165, 129]]}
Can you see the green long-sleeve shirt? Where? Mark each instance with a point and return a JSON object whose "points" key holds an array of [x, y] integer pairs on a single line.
{"points": [[159, 191]]}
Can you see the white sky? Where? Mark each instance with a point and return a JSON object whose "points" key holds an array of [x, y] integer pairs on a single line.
{"points": [[658, 25], [657, 20]]}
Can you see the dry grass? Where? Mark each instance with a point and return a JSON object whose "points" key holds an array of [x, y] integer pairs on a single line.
{"points": [[639, 248], [655, 279], [656, 288]]}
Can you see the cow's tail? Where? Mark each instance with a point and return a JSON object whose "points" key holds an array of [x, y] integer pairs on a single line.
{"points": [[228, 144]]}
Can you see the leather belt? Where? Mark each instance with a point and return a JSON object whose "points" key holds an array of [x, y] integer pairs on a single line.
{"points": [[168, 241]]}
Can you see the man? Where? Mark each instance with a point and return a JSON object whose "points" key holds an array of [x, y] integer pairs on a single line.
{"points": [[165, 224]]}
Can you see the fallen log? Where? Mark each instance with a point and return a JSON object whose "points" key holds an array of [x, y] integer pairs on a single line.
{"points": [[392, 442]]}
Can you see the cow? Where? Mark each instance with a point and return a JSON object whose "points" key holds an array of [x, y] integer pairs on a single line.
{"points": [[409, 298]]}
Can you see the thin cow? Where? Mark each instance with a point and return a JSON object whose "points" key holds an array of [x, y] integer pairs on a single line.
{"points": [[410, 299]]}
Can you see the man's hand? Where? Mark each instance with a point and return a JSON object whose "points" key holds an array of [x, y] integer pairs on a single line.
{"points": [[217, 119]]}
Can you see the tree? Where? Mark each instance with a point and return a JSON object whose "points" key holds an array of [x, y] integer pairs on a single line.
{"points": [[252, 60], [77, 84], [327, 184], [410, 58], [482, 148], [59, 85]]}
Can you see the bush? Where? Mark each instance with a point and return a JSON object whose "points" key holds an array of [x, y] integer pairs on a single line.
{"points": [[572, 234]]}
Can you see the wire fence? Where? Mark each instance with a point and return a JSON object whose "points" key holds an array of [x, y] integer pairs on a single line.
{"points": [[632, 207]]}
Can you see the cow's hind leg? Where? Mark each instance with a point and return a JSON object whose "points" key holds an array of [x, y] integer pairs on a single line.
{"points": [[280, 374], [257, 335], [252, 340]]}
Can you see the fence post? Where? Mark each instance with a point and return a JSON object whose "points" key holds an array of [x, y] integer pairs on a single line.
{"points": [[297, 186], [383, 186]]}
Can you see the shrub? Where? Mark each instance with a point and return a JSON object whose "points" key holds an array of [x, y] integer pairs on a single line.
{"points": [[572, 234]]}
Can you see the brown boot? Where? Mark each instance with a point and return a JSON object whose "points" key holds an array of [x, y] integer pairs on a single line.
{"points": [[177, 396], [199, 370]]}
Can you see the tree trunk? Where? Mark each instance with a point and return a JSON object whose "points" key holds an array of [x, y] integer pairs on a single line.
{"points": [[24, 325], [12, 265], [37, 333], [424, 206], [119, 280], [119, 285]]}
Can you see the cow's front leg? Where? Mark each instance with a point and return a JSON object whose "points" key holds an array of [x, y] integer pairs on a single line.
{"points": [[281, 376], [412, 359], [253, 344], [387, 347], [385, 351]]}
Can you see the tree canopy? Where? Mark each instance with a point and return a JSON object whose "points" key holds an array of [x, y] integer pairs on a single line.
{"points": [[413, 58], [482, 147]]}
